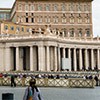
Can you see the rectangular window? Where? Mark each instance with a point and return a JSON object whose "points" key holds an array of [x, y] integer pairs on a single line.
{"points": [[26, 7], [32, 7], [47, 8], [63, 20], [55, 8], [32, 14], [39, 8], [27, 30], [32, 19], [26, 20], [55, 19], [19, 7], [7, 16], [22, 29], [26, 14]]}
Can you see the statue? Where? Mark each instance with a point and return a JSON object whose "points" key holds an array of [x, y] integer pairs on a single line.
{"points": [[47, 31], [17, 31], [63, 33], [30, 31], [97, 37], [68, 34], [40, 30], [54, 32], [58, 33]]}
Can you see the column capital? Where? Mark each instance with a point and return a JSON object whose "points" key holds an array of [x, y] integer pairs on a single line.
{"points": [[30, 45], [80, 48]]}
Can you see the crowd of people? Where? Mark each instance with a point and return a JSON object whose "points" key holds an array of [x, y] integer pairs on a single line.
{"points": [[49, 76]]}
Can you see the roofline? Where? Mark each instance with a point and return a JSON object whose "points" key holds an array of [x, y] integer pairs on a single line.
{"points": [[5, 8], [13, 5]]}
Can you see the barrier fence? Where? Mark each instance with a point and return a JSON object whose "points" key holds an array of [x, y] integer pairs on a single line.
{"points": [[46, 82]]}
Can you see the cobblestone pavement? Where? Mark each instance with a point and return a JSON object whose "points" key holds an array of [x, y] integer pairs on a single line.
{"points": [[56, 93]]}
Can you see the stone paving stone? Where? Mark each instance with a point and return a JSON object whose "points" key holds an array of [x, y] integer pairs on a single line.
{"points": [[55, 93]]}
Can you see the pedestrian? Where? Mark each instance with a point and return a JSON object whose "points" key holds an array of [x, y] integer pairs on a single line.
{"points": [[96, 79], [23, 80], [32, 92], [1, 78], [13, 83]]}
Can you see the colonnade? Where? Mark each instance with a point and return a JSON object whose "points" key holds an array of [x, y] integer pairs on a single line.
{"points": [[49, 58]]}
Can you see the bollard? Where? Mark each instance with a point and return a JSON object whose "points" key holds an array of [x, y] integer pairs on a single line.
{"points": [[7, 96]]}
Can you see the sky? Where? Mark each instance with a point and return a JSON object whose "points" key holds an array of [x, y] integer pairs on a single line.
{"points": [[95, 13]]}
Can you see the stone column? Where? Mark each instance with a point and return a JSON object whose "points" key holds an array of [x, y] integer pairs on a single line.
{"points": [[80, 59], [31, 58], [8, 59], [98, 58], [41, 58], [59, 59], [92, 59], [75, 63], [86, 59], [55, 56], [48, 58], [17, 59]]}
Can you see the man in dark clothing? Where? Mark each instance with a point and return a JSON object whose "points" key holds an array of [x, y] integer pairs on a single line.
{"points": [[13, 84], [96, 79]]}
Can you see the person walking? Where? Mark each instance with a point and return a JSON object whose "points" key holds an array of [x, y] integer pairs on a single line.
{"points": [[32, 92], [13, 83]]}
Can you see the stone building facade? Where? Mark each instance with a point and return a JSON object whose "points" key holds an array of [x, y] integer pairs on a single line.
{"points": [[40, 33]]}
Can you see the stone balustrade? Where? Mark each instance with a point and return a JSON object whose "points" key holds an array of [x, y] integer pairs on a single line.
{"points": [[28, 36]]}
